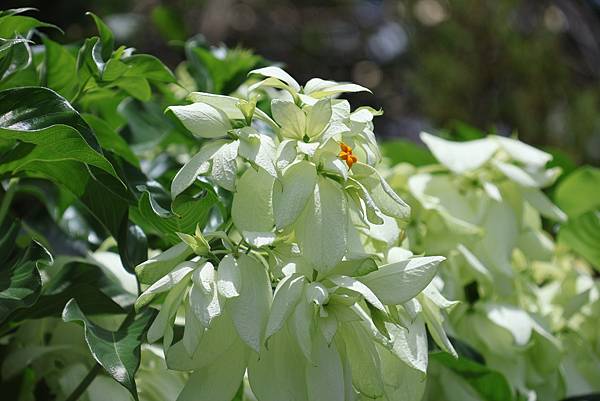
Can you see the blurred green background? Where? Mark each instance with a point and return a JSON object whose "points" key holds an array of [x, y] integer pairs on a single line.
{"points": [[530, 67]]}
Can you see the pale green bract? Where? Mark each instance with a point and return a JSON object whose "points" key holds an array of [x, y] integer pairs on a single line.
{"points": [[305, 289]]}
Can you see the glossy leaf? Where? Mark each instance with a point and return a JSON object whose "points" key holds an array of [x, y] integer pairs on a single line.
{"points": [[118, 352], [20, 281]]}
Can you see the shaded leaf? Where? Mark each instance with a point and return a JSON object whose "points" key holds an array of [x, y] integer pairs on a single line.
{"points": [[489, 384], [118, 352]]}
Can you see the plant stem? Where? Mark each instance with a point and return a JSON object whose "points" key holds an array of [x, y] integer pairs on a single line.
{"points": [[87, 380]]}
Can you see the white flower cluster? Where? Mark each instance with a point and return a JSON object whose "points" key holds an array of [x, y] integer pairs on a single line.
{"points": [[305, 289], [482, 207]]}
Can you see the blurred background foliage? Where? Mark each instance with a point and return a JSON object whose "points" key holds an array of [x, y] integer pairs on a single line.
{"points": [[530, 67]]}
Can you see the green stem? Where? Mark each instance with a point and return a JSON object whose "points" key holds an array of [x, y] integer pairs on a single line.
{"points": [[87, 380]]}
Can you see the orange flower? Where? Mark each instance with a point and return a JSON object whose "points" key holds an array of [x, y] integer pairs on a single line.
{"points": [[346, 154]]}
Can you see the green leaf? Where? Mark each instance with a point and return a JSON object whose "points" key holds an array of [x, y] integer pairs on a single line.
{"points": [[33, 149], [572, 195], [20, 281], [35, 108], [111, 140], [60, 69], [117, 351], [90, 64], [582, 230], [220, 70], [586, 397], [15, 56], [146, 123], [148, 67], [582, 234], [489, 384], [189, 209], [106, 36], [95, 288], [404, 151], [169, 22], [19, 25]]}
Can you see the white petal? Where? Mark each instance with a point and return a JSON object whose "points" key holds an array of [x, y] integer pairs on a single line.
{"points": [[276, 72], [224, 166], [287, 294], [229, 281], [250, 310], [290, 117], [398, 282], [292, 192], [218, 381], [321, 229], [460, 157], [203, 120]]}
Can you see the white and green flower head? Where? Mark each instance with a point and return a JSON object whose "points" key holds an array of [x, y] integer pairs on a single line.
{"points": [[482, 208], [304, 287]]}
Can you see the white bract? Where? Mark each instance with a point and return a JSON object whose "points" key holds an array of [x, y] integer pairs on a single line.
{"points": [[305, 289]]}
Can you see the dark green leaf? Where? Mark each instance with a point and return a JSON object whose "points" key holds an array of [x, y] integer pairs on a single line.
{"points": [[146, 122], [133, 245], [96, 290], [489, 384], [191, 208], [20, 281], [117, 351], [34, 108]]}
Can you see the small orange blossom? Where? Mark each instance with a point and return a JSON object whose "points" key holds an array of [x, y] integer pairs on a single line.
{"points": [[346, 154]]}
